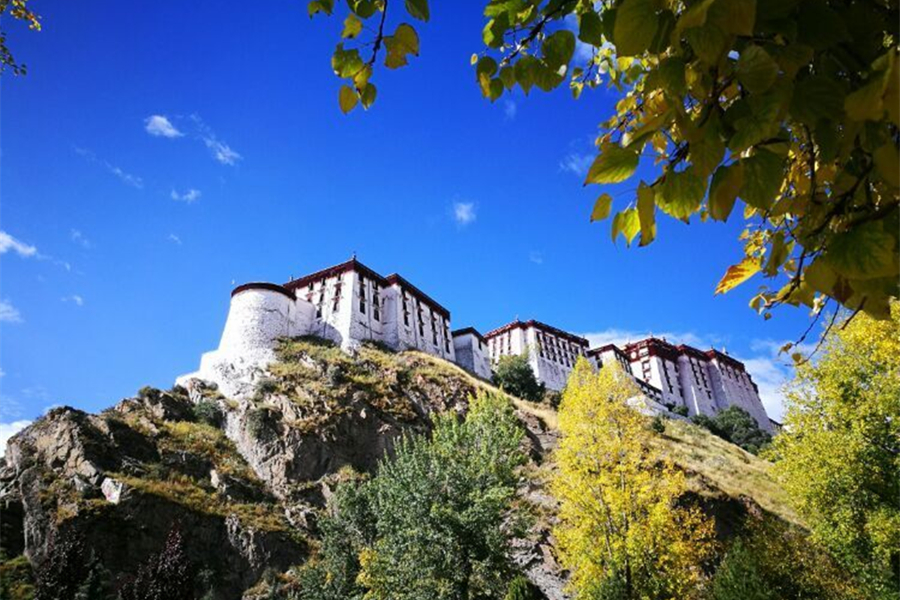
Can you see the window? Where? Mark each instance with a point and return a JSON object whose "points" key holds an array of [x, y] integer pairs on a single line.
{"points": [[433, 330], [405, 310], [362, 295], [421, 321], [376, 304]]}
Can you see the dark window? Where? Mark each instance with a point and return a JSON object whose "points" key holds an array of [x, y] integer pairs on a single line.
{"points": [[362, 295]]}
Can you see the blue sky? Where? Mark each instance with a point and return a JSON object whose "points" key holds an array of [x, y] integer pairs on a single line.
{"points": [[124, 234]]}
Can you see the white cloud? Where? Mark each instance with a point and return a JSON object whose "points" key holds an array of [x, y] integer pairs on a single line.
{"points": [[509, 110], [80, 239], [536, 257], [221, 151], [8, 242], [174, 239], [9, 313], [464, 213], [577, 164], [188, 197], [160, 126], [74, 298], [127, 178], [7, 430]]}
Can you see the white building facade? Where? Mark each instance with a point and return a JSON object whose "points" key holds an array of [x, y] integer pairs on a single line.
{"points": [[350, 303], [552, 352]]}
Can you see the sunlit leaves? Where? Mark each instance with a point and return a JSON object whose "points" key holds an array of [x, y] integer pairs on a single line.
{"points": [[761, 179], [347, 98], [646, 209], [865, 252], [635, 26], [405, 41], [738, 274], [612, 165], [626, 223], [681, 193], [317, 6], [602, 207], [723, 190], [352, 26]]}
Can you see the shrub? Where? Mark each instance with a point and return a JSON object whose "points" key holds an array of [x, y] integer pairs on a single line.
{"points": [[521, 589], [168, 575], [681, 410], [259, 422], [62, 571], [515, 376], [658, 424], [207, 411], [552, 398], [737, 426], [149, 393]]}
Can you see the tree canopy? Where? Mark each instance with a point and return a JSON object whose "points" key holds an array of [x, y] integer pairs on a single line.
{"points": [[622, 531], [791, 106], [839, 454], [18, 10]]}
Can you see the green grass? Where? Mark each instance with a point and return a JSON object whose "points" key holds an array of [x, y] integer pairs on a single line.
{"points": [[17, 578]]}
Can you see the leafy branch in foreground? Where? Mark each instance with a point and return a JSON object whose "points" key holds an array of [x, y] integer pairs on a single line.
{"points": [[791, 106], [17, 9]]}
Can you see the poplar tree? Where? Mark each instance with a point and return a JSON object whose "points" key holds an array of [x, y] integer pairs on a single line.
{"points": [[622, 531]]}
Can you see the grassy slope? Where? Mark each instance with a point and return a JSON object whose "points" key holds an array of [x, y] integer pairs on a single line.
{"points": [[713, 464]]}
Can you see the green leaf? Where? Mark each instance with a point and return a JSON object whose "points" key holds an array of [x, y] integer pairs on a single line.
{"points": [[317, 6], [612, 165], [405, 41], [602, 207], [646, 210], [759, 123], [347, 98], [763, 173], [695, 16], [736, 16], [820, 27], [418, 9], [817, 97], [724, 189], [681, 193], [634, 27], [867, 103], [346, 63], [738, 274], [493, 31], [707, 152], [756, 70], [887, 161], [363, 8], [558, 49], [820, 276], [671, 77], [709, 43], [352, 27], [524, 70], [508, 77], [778, 253], [367, 95], [590, 29], [865, 252]]}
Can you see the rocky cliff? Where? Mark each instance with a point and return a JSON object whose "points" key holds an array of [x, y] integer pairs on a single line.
{"points": [[245, 477]]}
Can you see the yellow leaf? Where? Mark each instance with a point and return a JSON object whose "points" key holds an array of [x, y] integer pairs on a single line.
{"points": [[601, 208], [646, 209], [347, 98], [738, 274], [352, 27]]}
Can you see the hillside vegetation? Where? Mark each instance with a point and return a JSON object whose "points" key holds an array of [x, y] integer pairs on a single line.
{"points": [[248, 478]]}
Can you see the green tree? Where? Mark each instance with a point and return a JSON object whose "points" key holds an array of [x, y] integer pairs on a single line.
{"points": [[515, 376], [839, 453], [622, 531], [792, 106], [737, 426], [442, 509]]}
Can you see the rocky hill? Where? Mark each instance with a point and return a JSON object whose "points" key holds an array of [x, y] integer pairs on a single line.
{"points": [[245, 478]]}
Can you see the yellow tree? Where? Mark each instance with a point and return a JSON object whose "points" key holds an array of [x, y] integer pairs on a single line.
{"points": [[839, 454], [622, 531]]}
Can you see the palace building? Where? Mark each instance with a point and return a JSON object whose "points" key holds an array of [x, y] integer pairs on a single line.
{"points": [[350, 303]]}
